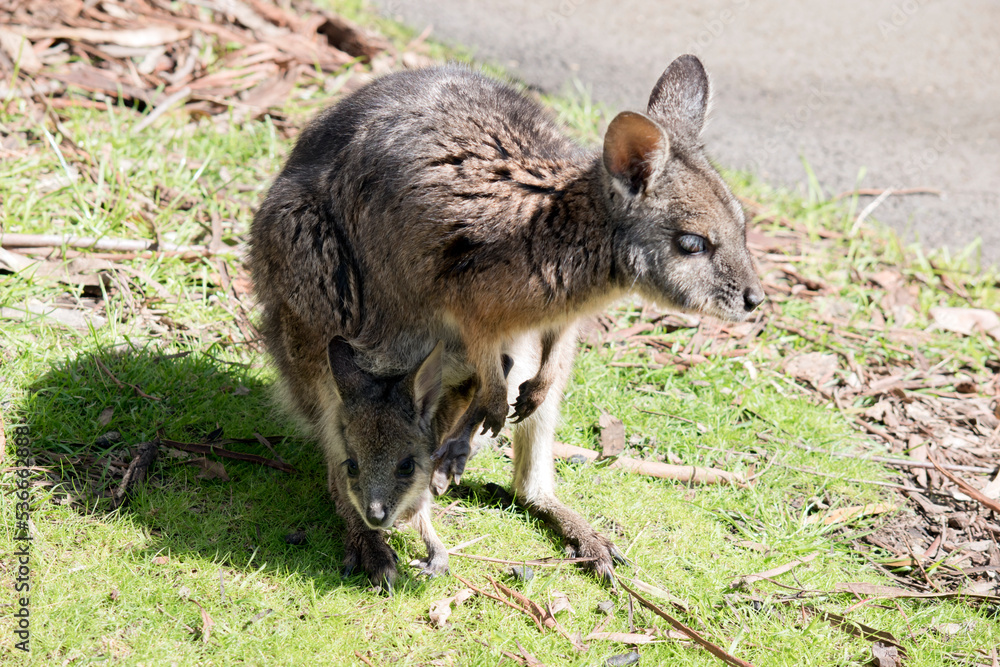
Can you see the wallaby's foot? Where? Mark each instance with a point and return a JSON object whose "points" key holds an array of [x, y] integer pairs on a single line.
{"points": [[530, 395], [433, 565], [370, 552], [582, 541], [605, 554]]}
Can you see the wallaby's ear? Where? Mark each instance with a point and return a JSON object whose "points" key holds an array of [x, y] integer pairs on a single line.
{"points": [[427, 384], [680, 98], [347, 375], [633, 146]]}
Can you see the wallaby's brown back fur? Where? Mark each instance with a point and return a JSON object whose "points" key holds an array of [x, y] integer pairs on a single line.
{"points": [[442, 205]]}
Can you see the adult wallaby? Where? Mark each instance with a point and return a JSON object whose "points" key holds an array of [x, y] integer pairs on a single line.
{"points": [[442, 205]]}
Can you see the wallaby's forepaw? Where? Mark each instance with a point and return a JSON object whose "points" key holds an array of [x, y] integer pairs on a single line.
{"points": [[495, 416], [375, 557], [432, 566], [602, 550], [530, 396], [449, 462]]}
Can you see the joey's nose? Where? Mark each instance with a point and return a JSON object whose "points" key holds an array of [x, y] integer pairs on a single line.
{"points": [[752, 297], [375, 514]]}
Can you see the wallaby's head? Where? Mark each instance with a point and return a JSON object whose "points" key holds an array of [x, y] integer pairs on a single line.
{"points": [[681, 233], [388, 433]]}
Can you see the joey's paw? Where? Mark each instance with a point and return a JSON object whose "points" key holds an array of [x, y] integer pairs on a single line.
{"points": [[432, 566], [604, 553], [530, 396], [370, 553]]}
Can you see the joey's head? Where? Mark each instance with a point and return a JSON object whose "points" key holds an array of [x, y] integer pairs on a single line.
{"points": [[386, 428], [680, 233]]}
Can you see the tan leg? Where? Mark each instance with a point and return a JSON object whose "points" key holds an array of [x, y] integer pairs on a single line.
{"points": [[556, 344], [534, 475]]}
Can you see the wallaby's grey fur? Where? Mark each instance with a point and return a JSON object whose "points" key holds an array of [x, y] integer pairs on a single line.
{"points": [[442, 205]]}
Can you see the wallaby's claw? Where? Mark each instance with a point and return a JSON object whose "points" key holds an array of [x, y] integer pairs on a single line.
{"points": [[530, 395], [432, 567], [604, 553], [494, 423]]}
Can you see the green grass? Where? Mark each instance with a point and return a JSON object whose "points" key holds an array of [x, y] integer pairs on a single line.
{"points": [[102, 591]]}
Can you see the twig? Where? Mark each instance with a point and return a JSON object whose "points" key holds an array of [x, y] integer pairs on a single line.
{"points": [[196, 448], [360, 656], [781, 569], [717, 651], [873, 192], [494, 597], [144, 457], [867, 210], [965, 486], [120, 384], [901, 463], [690, 474], [12, 240], [540, 562]]}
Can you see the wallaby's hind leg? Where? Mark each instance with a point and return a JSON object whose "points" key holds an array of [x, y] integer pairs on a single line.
{"points": [[556, 344], [363, 547], [534, 477], [437, 555]]}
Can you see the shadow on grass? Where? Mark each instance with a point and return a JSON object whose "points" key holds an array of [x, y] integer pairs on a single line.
{"points": [[243, 522], [260, 517]]}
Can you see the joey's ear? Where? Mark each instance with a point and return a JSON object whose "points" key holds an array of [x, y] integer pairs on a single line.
{"points": [[347, 375], [680, 98], [633, 147], [427, 383]]}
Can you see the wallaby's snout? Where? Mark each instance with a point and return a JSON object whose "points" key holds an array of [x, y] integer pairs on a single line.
{"points": [[753, 297]]}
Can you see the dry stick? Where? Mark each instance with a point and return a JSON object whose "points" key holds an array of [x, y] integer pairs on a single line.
{"points": [[872, 192], [540, 562], [966, 487], [362, 658], [781, 569], [901, 463], [120, 384], [195, 448], [691, 474], [11, 240], [145, 456], [499, 599], [891, 485], [717, 651]]}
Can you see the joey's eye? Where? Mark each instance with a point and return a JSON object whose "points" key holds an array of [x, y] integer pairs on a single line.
{"points": [[692, 244], [406, 468], [352, 468]]}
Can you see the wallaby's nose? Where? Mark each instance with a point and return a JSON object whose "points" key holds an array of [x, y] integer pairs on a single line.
{"points": [[752, 297], [376, 513]]}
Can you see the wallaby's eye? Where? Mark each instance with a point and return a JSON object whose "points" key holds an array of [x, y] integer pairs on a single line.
{"points": [[692, 244], [406, 468], [352, 468]]}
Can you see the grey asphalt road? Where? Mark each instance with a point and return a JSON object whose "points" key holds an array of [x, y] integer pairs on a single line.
{"points": [[870, 93]]}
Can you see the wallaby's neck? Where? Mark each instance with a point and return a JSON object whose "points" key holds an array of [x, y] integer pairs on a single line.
{"points": [[569, 232]]}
